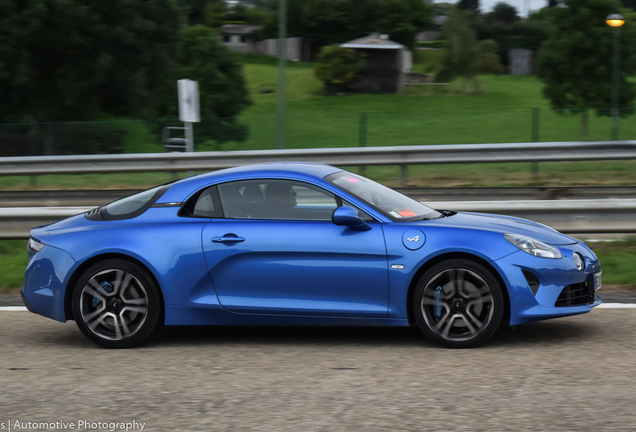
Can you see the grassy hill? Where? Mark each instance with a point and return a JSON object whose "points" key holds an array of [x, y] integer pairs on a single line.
{"points": [[500, 112]]}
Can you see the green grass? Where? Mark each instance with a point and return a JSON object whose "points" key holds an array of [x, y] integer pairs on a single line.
{"points": [[13, 256], [617, 259], [500, 112]]}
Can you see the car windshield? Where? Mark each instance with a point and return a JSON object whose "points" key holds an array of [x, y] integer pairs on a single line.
{"points": [[385, 200]]}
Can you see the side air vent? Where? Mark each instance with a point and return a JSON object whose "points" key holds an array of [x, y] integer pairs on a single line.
{"points": [[532, 280], [94, 215]]}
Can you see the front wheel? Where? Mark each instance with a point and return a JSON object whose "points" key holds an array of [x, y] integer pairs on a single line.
{"points": [[116, 304], [458, 303]]}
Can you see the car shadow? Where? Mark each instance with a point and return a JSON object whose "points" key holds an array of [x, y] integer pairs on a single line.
{"points": [[541, 333], [557, 331], [276, 335]]}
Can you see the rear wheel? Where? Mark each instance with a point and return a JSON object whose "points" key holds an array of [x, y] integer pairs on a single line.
{"points": [[116, 304], [458, 303]]}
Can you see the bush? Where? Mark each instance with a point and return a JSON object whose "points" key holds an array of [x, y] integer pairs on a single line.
{"points": [[488, 60], [15, 140], [91, 138], [428, 61], [431, 44], [339, 68]]}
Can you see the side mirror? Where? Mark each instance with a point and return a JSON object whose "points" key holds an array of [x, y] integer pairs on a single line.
{"points": [[348, 216]]}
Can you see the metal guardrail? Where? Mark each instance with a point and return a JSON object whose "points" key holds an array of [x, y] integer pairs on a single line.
{"points": [[354, 156], [95, 197], [568, 216]]}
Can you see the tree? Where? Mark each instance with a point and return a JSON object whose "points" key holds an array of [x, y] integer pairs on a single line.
{"points": [[222, 89], [215, 14], [488, 60], [505, 13], [469, 5], [325, 22], [196, 11], [339, 68], [461, 47], [504, 27], [73, 59], [403, 19], [575, 62]]}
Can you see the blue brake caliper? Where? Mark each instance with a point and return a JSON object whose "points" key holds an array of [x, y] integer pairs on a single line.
{"points": [[106, 287], [437, 309]]}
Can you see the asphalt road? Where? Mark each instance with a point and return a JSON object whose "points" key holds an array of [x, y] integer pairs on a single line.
{"points": [[572, 373]]}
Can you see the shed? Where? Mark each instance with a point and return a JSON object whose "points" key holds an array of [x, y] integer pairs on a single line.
{"points": [[238, 37], [388, 62]]}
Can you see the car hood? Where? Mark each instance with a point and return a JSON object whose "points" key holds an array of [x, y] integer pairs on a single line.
{"points": [[506, 225]]}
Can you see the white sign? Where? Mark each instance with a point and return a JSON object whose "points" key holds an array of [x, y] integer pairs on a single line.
{"points": [[188, 101]]}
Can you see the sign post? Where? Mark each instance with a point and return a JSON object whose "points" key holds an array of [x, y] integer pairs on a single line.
{"points": [[188, 109]]}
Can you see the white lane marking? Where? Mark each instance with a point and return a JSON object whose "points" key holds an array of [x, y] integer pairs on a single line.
{"points": [[602, 306], [617, 305]]}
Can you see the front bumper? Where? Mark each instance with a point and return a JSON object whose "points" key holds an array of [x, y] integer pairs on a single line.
{"points": [[556, 278]]}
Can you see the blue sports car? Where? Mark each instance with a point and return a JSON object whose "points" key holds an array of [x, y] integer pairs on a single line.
{"points": [[300, 244]]}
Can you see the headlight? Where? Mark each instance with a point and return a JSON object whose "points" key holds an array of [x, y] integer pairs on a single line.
{"points": [[533, 247], [34, 245]]}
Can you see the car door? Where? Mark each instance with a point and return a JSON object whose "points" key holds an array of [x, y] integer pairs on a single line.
{"points": [[276, 251]]}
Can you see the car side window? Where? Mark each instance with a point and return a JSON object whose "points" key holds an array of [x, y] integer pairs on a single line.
{"points": [[204, 204], [363, 215], [277, 200]]}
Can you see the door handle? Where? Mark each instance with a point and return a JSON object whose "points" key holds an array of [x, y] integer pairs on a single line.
{"points": [[227, 239]]}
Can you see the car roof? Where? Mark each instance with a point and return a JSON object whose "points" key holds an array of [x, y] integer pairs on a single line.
{"points": [[181, 189]]}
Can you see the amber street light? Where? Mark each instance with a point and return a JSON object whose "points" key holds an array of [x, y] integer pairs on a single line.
{"points": [[616, 21]]}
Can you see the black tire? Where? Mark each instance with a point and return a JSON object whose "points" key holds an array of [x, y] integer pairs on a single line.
{"points": [[116, 304], [458, 304]]}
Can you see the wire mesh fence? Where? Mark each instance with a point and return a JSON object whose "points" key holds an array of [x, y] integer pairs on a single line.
{"points": [[258, 132]]}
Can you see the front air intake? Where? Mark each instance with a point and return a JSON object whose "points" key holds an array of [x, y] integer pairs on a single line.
{"points": [[576, 295]]}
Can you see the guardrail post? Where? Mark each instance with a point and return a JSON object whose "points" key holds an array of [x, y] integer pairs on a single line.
{"points": [[404, 175], [534, 166], [535, 124], [33, 149], [33, 139], [362, 130], [362, 137]]}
